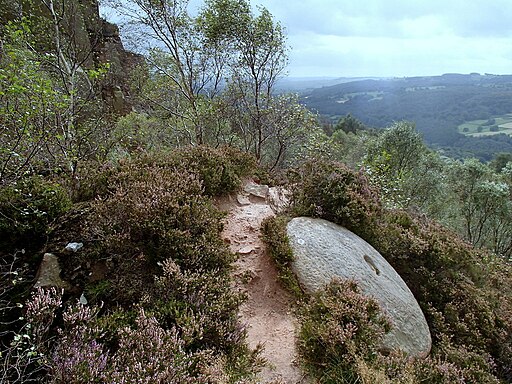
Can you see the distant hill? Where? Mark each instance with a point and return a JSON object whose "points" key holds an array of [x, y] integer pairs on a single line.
{"points": [[437, 104], [303, 84]]}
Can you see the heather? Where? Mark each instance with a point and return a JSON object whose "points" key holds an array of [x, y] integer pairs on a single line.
{"points": [[156, 276], [129, 154], [463, 291]]}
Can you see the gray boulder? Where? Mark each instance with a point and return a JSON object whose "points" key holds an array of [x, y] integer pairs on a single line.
{"points": [[324, 250]]}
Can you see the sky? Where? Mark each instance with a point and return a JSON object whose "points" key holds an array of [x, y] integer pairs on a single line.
{"points": [[394, 38]]}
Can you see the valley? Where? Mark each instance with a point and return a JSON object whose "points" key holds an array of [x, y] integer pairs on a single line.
{"points": [[446, 109]]}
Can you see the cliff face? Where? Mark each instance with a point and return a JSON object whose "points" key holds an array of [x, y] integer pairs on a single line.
{"points": [[110, 49], [95, 41]]}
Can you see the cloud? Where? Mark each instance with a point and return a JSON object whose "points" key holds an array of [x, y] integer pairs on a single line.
{"points": [[396, 37], [383, 17]]}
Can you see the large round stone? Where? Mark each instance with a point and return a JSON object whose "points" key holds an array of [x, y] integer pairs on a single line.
{"points": [[324, 250]]}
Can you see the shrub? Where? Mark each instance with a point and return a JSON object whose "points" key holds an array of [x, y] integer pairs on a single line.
{"points": [[463, 292], [220, 170], [152, 240], [28, 207], [340, 335], [339, 326], [24, 354], [201, 305], [334, 192], [163, 213], [276, 239], [146, 353], [143, 351]]}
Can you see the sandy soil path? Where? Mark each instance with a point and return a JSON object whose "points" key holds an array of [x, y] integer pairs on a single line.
{"points": [[267, 312]]}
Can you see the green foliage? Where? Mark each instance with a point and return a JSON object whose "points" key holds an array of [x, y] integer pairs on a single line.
{"points": [[349, 124], [50, 104], [152, 245], [500, 160], [276, 238], [332, 191], [29, 106], [136, 132], [485, 205], [151, 215], [340, 336], [339, 326], [146, 353], [201, 305], [28, 207], [220, 170], [222, 19], [457, 286], [392, 160]]}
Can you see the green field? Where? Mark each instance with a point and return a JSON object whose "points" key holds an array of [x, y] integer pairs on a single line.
{"points": [[374, 95], [493, 126]]}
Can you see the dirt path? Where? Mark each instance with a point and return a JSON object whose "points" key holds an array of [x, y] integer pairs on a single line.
{"points": [[267, 312]]}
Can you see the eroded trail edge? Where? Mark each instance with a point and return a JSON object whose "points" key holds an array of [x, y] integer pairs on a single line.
{"points": [[267, 313]]}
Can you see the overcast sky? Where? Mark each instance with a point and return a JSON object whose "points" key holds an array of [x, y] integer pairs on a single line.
{"points": [[395, 37]]}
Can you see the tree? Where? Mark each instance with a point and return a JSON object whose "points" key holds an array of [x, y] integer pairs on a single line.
{"points": [[69, 57], [484, 200], [262, 58], [30, 106], [500, 161], [215, 72], [179, 53], [392, 159], [349, 124], [291, 125]]}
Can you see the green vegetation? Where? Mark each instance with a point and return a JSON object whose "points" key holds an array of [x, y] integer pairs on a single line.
{"points": [[274, 232], [446, 275], [492, 126], [340, 327], [440, 106], [137, 185], [154, 260]]}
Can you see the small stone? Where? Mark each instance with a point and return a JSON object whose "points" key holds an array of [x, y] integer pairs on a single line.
{"points": [[278, 198], [246, 250], [250, 276], [82, 299], [73, 247], [243, 200]]}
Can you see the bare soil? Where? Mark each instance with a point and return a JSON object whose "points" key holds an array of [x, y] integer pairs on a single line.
{"points": [[268, 311]]}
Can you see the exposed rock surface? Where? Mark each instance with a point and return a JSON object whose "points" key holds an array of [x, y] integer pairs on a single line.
{"points": [[324, 250], [256, 190], [49, 273], [95, 40]]}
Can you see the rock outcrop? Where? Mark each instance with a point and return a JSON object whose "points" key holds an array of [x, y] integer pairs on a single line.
{"points": [[96, 40], [324, 250], [48, 274]]}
